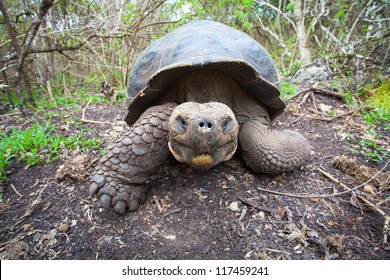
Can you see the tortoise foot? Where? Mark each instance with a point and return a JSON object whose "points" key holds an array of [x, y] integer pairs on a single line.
{"points": [[112, 193]]}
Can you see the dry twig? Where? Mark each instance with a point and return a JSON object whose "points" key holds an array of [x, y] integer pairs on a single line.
{"points": [[325, 195], [10, 114], [386, 223], [160, 209], [256, 206], [319, 90], [15, 190], [83, 119]]}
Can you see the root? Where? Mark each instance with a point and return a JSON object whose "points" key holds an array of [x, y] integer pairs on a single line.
{"points": [[318, 90]]}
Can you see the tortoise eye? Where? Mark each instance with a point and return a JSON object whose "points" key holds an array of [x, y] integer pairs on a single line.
{"points": [[182, 123], [227, 124]]}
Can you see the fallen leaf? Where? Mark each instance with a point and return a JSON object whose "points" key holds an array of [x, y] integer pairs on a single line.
{"points": [[335, 240], [267, 226], [64, 127], [26, 227], [230, 177], [280, 213], [369, 189], [223, 185], [324, 108], [333, 224], [249, 179]]}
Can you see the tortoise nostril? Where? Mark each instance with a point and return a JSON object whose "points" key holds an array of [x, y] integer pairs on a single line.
{"points": [[205, 124]]}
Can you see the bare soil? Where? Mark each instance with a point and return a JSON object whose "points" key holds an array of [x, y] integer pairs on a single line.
{"points": [[225, 213]]}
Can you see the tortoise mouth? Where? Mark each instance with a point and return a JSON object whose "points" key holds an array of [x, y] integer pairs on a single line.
{"points": [[202, 160]]}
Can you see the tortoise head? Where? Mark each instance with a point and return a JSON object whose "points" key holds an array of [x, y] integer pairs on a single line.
{"points": [[202, 135]]}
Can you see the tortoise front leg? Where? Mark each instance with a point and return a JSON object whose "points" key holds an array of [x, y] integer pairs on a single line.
{"points": [[119, 180], [266, 150]]}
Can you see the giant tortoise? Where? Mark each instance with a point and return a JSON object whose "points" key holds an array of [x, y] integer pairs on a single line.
{"points": [[200, 93]]}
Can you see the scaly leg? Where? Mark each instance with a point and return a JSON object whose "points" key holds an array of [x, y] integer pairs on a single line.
{"points": [[119, 179], [266, 150]]}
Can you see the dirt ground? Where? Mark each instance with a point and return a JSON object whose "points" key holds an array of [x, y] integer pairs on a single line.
{"points": [[224, 213]]}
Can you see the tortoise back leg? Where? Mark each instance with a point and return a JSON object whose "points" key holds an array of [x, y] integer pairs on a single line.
{"points": [[266, 150], [119, 180]]}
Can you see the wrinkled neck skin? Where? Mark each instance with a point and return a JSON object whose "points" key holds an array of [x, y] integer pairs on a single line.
{"points": [[213, 86]]}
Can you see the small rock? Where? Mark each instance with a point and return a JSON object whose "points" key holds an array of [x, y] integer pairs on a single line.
{"points": [[324, 108], [105, 240], [234, 206], [310, 74], [63, 228], [243, 213]]}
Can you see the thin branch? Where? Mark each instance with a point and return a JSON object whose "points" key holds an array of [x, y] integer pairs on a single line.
{"points": [[356, 21], [83, 119], [16, 191], [318, 90], [278, 11]]}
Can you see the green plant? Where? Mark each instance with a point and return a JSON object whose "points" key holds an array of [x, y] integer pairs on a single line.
{"points": [[39, 144], [377, 95], [376, 115], [288, 89], [368, 149]]}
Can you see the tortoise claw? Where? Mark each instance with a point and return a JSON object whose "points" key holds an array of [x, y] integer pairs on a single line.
{"points": [[134, 205], [120, 207], [105, 201]]}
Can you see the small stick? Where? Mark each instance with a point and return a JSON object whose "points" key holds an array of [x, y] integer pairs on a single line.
{"points": [[15, 190], [386, 227], [374, 140], [297, 119], [11, 114], [325, 195], [257, 207], [318, 90], [305, 98], [158, 204], [326, 174], [83, 119]]}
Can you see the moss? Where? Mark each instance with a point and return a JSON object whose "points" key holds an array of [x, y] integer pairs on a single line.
{"points": [[379, 96]]}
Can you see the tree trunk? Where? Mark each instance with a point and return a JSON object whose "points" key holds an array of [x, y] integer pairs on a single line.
{"points": [[301, 33], [22, 50], [5, 78]]}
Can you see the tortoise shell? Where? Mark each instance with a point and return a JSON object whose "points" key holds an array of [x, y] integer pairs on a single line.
{"points": [[209, 45]]}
